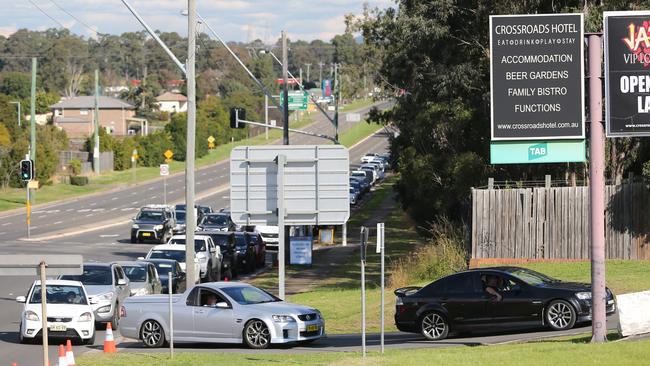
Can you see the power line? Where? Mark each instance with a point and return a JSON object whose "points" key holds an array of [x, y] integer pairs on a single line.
{"points": [[47, 15], [77, 19]]}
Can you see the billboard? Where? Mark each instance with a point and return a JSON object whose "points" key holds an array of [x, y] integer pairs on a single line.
{"points": [[537, 77], [627, 73], [326, 87]]}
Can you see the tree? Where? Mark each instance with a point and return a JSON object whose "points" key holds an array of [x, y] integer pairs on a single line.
{"points": [[16, 84]]}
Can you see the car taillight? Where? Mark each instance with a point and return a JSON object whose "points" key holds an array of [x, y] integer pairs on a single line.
{"points": [[122, 312], [399, 301]]}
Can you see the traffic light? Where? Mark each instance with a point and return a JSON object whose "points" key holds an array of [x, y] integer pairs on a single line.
{"points": [[26, 170], [237, 114]]}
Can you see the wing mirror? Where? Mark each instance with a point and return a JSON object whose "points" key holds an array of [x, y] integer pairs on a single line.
{"points": [[222, 305], [121, 282], [140, 258], [93, 301], [21, 299]]}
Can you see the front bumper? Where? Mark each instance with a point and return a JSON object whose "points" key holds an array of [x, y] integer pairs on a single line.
{"points": [[72, 329], [297, 331], [585, 312], [146, 234]]}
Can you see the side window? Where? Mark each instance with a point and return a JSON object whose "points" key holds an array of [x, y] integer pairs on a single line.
{"points": [[460, 284], [209, 298], [191, 298], [120, 273], [116, 275], [433, 289]]}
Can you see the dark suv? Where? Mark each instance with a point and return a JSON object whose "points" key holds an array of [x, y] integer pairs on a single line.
{"points": [[225, 241], [153, 222]]}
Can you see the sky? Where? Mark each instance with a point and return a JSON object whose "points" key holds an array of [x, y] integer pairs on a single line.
{"points": [[233, 20]]}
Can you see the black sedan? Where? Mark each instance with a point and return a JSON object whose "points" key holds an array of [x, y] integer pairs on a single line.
{"points": [[493, 299], [164, 266]]}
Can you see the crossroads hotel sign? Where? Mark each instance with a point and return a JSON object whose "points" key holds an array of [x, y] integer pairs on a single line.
{"points": [[537, 88]]}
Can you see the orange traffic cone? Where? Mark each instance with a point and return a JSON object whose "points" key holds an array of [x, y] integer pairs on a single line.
{"points": [[68, 353], [63, 361], [109, 341]]}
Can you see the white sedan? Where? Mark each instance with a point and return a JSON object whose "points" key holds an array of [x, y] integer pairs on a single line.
{"points": [[69, 314]]}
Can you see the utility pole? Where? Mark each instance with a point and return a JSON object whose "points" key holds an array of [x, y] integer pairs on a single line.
{"points": [[190, 214], [308, 66], [320, 72], [597, 192], [266, 115], [282, 245], [336, 102], [96, 149], [32, 110]]}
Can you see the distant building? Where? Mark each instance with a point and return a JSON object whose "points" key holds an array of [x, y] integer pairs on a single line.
{"points": [[172, 102], [75, 116]]}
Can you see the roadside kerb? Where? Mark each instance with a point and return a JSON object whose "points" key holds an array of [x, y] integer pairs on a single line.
{"points": [[121, 220]]}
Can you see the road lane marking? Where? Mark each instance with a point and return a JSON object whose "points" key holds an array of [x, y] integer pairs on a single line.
{"points": [[108, 235], [4, 232], [92, 204], [84, 210], [97, 209], [6, 223], [113, 199], [56, 223]]}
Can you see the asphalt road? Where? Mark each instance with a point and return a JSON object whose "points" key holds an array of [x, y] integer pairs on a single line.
{"points": [[121, 204], [110, 243]]}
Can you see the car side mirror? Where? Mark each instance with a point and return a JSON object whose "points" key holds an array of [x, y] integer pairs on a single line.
{"points": [[94, 301], [222, 305], [121, 282], [21, 299], [140, 258]]}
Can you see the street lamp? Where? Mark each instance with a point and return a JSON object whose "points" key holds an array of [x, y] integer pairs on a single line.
{"points": [[17, 103]]}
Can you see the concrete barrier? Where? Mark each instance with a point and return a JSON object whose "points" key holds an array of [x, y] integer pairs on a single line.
{"points": [[633, 314]]}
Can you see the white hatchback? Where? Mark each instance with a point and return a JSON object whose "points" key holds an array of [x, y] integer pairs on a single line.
{"points": [[69, 314]]}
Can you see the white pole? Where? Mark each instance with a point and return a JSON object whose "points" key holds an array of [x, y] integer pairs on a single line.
{"points": [[345, 234], [266, 115], [46, 361], [165, 189], [381, 246], [171, 315], [190, 216], [363, 292]]}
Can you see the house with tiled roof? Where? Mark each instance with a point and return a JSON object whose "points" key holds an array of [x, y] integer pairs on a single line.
{"points": [[172, 102]]}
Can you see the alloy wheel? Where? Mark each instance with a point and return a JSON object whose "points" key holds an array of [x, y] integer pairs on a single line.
{"points": [[560, 315], [257, 334], [434, 326], [152, 334]]}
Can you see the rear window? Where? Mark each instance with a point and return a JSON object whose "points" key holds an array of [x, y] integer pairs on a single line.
{"points": [[215, 220], [199, 244], [92, 276], [178, 255], [135, 273], [58, 294], [240, 241]]}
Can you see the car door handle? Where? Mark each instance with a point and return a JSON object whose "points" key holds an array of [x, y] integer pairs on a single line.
{"points": [[197, 311]]}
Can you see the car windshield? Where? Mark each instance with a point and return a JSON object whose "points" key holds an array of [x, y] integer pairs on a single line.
{"points": [[145, 215], [215, 220], [531, 277], [199, 244], [220, 240], [247, 295], [180, 216], [164, 268], [92, 276], [135, 273], [59, 294], [177, 255]]}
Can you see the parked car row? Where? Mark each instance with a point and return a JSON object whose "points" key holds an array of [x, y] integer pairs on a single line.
{"points": [[372, 170]]}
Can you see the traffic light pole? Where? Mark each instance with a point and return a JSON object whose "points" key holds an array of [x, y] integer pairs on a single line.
{"points": [[32, 109]]}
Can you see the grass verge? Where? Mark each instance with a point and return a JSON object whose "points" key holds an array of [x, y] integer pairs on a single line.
{"points": [[358, 132], [574, 351]]}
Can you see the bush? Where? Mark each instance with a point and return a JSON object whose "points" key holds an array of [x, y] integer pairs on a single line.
{"points": [[445, 253], [75, 167], [79, 180]]}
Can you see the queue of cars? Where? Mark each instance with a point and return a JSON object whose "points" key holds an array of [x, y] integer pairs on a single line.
{"points": [[372, 170]]}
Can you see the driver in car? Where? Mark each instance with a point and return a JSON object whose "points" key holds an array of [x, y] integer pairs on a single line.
{"points": [[492, 283], [211, 300]]}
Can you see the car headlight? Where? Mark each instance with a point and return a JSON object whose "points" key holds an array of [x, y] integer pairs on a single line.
{"points": [[583, 295], [30, 315], [135, 226], [158, 227], [107, 296], [85, 317], [104, 309], [283, 318]]}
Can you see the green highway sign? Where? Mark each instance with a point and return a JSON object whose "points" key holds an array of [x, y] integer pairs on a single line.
{"points": [[531, 152], [297, 100]]}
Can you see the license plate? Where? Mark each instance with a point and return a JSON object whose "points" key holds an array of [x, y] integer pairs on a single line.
{"points": [[312, 328], [146, 234], [56, 327]]}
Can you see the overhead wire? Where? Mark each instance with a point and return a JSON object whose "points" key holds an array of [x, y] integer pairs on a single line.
{"points": [[77, 19], [47, 15]]}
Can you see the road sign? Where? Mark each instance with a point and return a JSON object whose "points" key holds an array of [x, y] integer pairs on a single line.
{"points": [[537, 77], [352, 117], [300, 249], [298, 100], [517, 152], [627, 73], [28, 265], [289, 81], [168, 154], [316, 190], [164, 169], [211, 139], [32, 184]]}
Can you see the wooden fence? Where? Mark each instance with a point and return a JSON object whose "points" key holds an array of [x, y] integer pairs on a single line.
{"points": [[553, 223]]}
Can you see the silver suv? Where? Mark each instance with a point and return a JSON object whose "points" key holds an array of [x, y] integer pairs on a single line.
{"points": [[107, 287], [153, 222]]}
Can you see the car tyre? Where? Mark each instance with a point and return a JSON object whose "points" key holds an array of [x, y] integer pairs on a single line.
{"points": [[152, 334], [434, 326], [22, 339], [257, 334], [134, 240], [560, 315]]}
